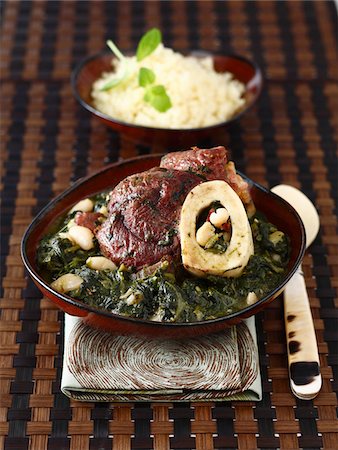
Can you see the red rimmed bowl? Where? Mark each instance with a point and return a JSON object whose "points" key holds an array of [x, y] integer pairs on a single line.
{"points": [[275, 208], [91, 69]]}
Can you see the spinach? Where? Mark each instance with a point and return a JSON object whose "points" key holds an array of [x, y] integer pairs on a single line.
{"points": [[264, 245], [100, 288], [219, 246], [100, 200], [162, 295], [206, 300], [57, 256], [172, 301]]}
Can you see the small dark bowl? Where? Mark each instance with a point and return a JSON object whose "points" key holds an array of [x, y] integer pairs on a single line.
{"points": [[276, 209], [89, 70]]}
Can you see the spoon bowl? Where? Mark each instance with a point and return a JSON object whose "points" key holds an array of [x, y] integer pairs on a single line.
{"points": [[303, 206]]}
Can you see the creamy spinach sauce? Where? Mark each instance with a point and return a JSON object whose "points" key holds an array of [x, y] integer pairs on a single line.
{"points": [[162, 295]]}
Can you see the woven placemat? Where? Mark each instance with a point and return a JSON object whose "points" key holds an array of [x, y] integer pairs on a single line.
{"points": [[47, 142]]}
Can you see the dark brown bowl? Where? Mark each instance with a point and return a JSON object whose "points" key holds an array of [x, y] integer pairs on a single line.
{"points": [[276, 209], [89, 70]]}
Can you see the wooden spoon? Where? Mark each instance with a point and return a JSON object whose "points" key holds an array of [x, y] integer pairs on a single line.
{"points": [[303, 358]]}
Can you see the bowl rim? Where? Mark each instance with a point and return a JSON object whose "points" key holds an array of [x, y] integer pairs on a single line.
{"points": [[245, 312], [258, 74]]}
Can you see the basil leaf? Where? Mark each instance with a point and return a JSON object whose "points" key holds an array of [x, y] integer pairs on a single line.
{"points": [[145, 77], [158, 98], [148, 43]]}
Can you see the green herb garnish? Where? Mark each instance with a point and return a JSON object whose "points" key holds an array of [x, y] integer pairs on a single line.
{"points": [[148, 43], [114, 82], [145, 77], [158, 98], [155, 95]]}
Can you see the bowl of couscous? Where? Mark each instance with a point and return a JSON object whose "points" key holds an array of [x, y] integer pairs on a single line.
{"points": [[167, 97]]}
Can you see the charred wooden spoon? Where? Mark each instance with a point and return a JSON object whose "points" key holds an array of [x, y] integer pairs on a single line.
{"points": [[304, 370]]}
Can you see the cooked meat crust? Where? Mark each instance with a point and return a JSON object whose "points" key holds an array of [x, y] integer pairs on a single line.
{"points": [[144, 211], [212, 164], [209, 163]]}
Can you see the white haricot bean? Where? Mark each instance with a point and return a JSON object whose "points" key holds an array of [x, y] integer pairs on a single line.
{"points": [[276, 236], [103, 210], [82, 236], [204, 233], [67, 282], [100, 263], [65, 235], [219, 217], [71, 223], [132, 297], [85, 205], [158, 315], [199, 314], [251, 298]]}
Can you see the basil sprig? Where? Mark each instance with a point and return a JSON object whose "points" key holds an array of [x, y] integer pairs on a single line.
{"points": [[155, 95]]}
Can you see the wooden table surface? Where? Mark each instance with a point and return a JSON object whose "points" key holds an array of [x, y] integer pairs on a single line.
{"points": [[48, 141]]}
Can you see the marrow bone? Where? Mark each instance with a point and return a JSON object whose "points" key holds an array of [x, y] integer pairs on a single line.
{"points": [[200, 261]]}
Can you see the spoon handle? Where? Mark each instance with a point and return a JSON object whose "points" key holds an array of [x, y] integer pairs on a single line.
{"points": [[303, 358]]}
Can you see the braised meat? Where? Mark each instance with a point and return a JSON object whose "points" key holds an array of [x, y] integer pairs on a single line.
{"points": [[211, 164], [88, 219], [144, 211]]}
